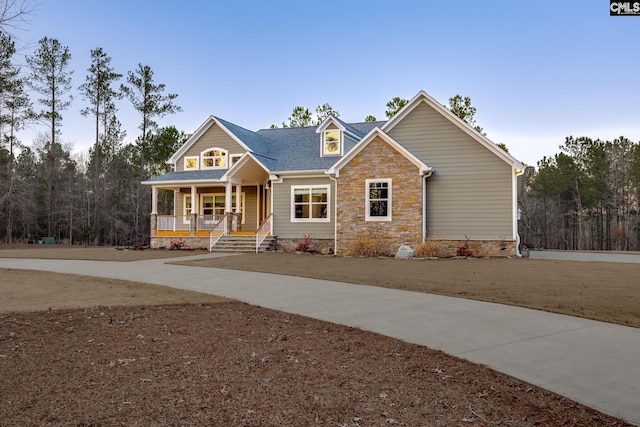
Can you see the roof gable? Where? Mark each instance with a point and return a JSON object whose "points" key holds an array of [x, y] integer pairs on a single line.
{"points": [[343, 126], [247, 158], [245, 138], [377, 132], [423, 97]]}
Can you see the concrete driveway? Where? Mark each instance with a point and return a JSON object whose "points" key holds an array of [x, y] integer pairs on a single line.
{"points": [[633, 257]]}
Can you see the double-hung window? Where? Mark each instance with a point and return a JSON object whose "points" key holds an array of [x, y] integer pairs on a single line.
{"points": [[378, 199], [332, 143], [310, 203]]}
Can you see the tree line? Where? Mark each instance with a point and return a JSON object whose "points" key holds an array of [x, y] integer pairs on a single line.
{"points": [[585, 197], [94, 197]]}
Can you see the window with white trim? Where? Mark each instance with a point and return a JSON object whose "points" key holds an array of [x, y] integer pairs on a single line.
{"points": [[310, 203], [191, 163], [214, 158], [186, 206], [331, 142], [234, 158], [378, 200]]}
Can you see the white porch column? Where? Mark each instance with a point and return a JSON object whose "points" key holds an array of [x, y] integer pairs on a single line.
{"points": [[260, 205], [154, 200], [176, 194], [228, 191], [238, 198], [194, 200]]}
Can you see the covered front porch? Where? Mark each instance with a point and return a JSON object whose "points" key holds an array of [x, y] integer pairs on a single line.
{"points": [[204, 210]]}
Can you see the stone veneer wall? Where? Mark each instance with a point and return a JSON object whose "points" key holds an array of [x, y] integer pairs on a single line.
{"points": [[379, 160], [191, 242], [479, 248], [322, 246]]}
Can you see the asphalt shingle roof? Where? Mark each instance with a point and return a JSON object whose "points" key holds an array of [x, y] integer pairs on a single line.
{"points": [[249, 138], [279, 150], [298, 148]]}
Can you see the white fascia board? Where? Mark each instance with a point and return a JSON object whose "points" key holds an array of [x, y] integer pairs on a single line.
{"points": [[325, 124], [422, 96], [189, 142], [211, 120]]}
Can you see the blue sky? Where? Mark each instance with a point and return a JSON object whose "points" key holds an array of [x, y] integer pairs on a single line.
{"points": [[536, 71]]}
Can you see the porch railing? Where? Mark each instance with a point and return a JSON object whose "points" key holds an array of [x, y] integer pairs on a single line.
{"points": [[206, 222], [218, 230], [183, 222], [173, 223], [263, 231]]}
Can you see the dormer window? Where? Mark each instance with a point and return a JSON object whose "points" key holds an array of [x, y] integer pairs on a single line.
{"points": [[214, 158], [332, 143]]}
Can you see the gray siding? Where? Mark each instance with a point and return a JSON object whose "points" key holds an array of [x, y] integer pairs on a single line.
{"points": [[214, 137], [283, 227], [470, 192], [250, 208]]}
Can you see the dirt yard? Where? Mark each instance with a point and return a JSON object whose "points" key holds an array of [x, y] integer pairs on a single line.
{"points": [[123, 353]]}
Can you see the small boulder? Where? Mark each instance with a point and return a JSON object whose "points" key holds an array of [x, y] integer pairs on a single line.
{"points": [[404, 252]]}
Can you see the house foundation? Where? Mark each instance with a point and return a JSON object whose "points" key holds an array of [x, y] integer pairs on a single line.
{"points": [[478, 248]]}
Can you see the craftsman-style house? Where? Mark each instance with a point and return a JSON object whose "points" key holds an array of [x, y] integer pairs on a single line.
{"points": [[423, 174]]}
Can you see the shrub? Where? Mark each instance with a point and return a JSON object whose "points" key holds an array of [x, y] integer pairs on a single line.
{"points": [[305, 244], [177, 245], [464, 249], [428, 249], [365, 245]]}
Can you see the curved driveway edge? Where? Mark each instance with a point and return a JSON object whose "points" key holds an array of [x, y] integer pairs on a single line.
{"points": [[591, 362]]}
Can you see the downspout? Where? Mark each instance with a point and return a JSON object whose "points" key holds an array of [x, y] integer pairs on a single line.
{"points": [[335, 214], [273, 180], [517, 216], [424, 203]]}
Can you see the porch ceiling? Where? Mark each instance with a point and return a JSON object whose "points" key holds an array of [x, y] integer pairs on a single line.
{"points": [[248, 172]]}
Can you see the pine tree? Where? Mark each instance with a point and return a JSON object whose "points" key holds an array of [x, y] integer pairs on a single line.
{"points": [[51, 78]]}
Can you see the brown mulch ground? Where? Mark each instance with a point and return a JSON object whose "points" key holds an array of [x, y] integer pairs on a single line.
{"points": [[100, 253], [114, 355], [240, 365]]}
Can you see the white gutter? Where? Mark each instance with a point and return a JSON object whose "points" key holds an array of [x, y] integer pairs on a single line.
{"points": [[182, 183], [313, 172]]}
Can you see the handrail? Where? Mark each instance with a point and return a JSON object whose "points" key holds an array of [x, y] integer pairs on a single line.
{"points": [[263, 231], [216, 232]]}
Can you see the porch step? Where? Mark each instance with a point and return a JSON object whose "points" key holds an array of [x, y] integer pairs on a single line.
{"points": [[240, 243]]}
